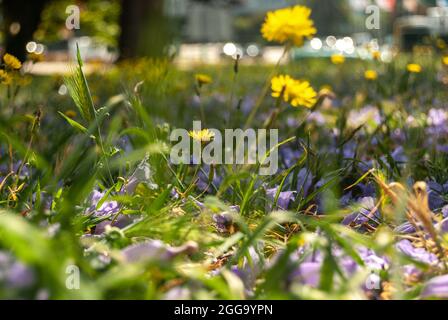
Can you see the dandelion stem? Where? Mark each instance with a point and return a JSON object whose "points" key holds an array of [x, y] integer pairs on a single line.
{"points": [[265, 90]]}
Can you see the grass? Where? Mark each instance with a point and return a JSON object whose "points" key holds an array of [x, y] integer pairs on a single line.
{"points": [[111, 134]]}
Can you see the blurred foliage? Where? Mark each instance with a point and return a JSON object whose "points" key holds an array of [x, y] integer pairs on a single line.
{"points": [[99, 19]]}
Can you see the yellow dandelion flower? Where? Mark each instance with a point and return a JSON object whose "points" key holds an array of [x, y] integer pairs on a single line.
{"points": [[280, 86], [12, 62], [414, 68], [204, 135], [296, 92], [337, 59], [371, 75], [5, 78], [289, 25], [203, 79], [302, 94], [376, 55], [445, 60]]}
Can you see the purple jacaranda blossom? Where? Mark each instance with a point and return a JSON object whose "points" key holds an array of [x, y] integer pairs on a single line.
{"points": [[178, 293], [124, 143], [368, 116], [361, 190], [108, 208], [436, 288], [372, 261], [445, 211], [437, 117], [14, 274], [176, 196], [42, 295], [418, 254], [307, 273], [25, 171], [204, 184], [194, 101], [346, 199], [436, 192], [437, 122], [367, 189], [46, 199], [121, 222], [290, 155], [398, 136], [224, 220], [442, 148], [317, 118], [156, 250], [399, 155], [284, 198], [142, 174], [362, 213], [349, 150], [250, 269], [443, 226], [411, 271], [292, 122], [247, 104], [309, 270], [405, 228], [304, 182]]}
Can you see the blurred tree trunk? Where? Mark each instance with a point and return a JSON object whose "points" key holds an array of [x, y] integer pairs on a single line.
{"points": [[21, 19], [144, 29], [331, 16]]}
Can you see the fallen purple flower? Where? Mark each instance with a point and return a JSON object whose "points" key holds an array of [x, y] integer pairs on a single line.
{"points": [[156, 250], [419, 254], [436, 288]]}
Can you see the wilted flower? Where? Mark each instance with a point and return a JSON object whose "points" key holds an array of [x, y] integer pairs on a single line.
{"points": [[371, 75], [12, 62], [289, 25], [204, 135], [337, 59], [414, 68]]}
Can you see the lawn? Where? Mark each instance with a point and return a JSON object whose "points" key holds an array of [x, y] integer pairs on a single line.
{"points": [[93, 205]]}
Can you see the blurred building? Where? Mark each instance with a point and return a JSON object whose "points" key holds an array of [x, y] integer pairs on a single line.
{"points": [[214, 20], [419, 21]]}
